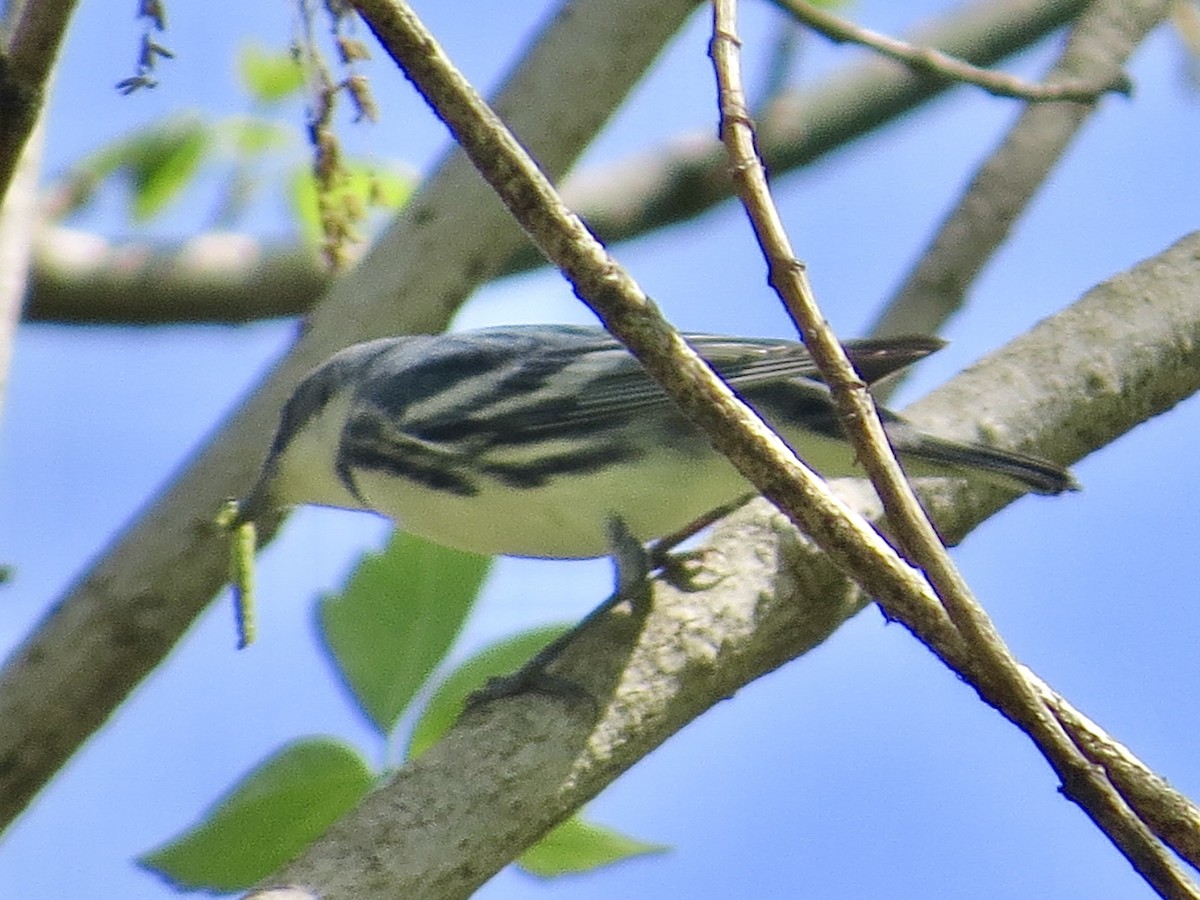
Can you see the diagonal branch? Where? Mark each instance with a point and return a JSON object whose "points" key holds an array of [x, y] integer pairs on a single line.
{"points": [[975, 649], [1168, 813], [510, 771], [754, 450], [1006, 183], [118, 621], [17, 217], [800, 127], [28, 49], [949, 67], [84, 278]]}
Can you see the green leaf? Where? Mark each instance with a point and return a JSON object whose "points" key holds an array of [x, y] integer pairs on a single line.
{"points": [[269, 77], [158, 160], [501, 658], [266, 819], [580, 846], [395, 619], [161, 162]]}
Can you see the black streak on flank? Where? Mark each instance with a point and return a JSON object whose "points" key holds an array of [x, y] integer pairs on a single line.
{"points": [[537, 472], [364, 449]]}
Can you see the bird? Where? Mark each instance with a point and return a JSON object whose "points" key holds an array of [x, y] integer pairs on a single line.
{"points": [[530, 440]]}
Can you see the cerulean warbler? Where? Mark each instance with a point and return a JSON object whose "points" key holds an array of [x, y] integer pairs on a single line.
{"points": [[531, 440]]}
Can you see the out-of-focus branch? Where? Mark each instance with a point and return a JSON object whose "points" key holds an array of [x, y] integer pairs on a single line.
{"points": [[29, 45], [944, 65], [117, 622], [510, 770], [81, 280], [17, 218], [1007, 181], [225, 278]]}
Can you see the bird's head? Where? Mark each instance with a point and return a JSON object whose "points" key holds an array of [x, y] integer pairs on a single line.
{"points": [[301, 466]]}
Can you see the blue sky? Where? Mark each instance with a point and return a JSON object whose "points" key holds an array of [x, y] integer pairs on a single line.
{"points": [[864, 769]]}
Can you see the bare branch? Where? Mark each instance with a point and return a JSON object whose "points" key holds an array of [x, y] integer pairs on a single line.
{"points": [[508, 771], [223, 278], [976, 650], [943, 65], [799, 127], [17, 218], [1007, 181], [1171, 815], [26, 59], [122, 616], [96, 282]]}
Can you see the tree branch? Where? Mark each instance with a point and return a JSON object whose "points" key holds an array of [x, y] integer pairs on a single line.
{"points": [[509, 771], [27, 57], [118, 621], [80, 280], [17, 217], [222, 278], [800, 127], [944, 65], [976, 649], [1171, 815], [1003, 186]]}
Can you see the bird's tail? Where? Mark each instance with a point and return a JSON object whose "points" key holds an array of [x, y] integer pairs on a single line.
{"points": [[1007, 466]]}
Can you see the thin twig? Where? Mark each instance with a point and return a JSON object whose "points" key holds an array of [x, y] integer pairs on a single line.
{"points": [[470, 804], [930, 60], [990, 665], [125, 612], [82, 277], [1171, 815], [1003, 186]]}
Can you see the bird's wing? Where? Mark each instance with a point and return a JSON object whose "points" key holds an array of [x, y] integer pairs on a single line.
{"points": [[744, 363], [508, 384]]}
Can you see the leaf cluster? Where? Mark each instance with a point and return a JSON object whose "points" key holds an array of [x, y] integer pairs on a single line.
{"points": [[387, 634]]}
